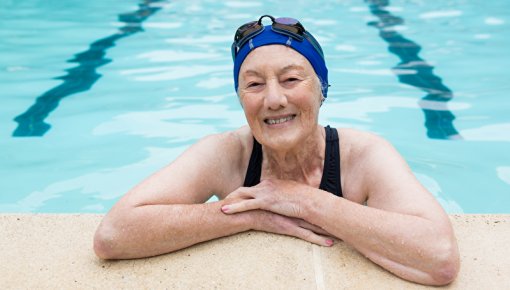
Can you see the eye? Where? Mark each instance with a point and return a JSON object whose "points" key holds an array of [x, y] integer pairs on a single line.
{"points": [[292, 79], [253, 85]]}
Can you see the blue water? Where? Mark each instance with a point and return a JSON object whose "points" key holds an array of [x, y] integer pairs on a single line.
{"points": [[98, 95]]}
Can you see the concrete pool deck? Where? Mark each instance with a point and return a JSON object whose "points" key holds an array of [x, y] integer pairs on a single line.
{"points": [[54, 251]]}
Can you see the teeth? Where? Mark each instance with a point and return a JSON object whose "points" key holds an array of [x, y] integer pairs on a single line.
{"points": [[278, 121]]}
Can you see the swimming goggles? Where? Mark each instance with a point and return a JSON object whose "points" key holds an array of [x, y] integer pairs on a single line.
{"points": [[283, 25]]}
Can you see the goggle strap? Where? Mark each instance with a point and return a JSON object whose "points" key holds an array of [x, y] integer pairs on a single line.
{"points": [[314, 43], [261, 17]]}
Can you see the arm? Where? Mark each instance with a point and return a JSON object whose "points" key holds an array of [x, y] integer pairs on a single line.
{"points": [[403, 228], [415, 248], [149, 230], [166, 213]]}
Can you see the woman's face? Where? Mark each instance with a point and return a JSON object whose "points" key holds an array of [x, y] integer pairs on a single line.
{"points": [[280, 94]]}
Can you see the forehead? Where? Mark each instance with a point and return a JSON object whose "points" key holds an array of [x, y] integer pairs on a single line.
{"points": [[274, 57]]}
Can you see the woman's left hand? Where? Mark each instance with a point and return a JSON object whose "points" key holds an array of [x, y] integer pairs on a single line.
{"points": [[283, 197]]}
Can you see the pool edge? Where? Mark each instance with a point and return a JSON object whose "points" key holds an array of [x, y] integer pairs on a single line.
{"points": [[55, 251]]}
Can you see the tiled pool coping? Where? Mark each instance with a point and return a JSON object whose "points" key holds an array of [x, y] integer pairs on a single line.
{"points": [[54, 251]]}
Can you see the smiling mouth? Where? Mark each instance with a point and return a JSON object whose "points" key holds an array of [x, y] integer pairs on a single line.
{"points": [[279, 120]]}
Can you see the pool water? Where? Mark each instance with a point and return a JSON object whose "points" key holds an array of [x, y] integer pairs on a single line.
{"points": [[97, 95]]}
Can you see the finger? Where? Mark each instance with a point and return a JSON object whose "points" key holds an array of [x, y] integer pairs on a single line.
{"points": [[312, 227], [292, 228], [240, 206], [310, 236], [240, 193], [278, 224]]}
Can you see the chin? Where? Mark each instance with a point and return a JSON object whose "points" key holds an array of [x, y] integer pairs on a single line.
{"points": [[281, 139]]}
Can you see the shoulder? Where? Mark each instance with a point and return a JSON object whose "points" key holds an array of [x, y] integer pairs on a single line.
{"points": [[379, 176], [234, 143], [361, 146], [226, 155], [360, 140], [362, 155], [211, 166]]}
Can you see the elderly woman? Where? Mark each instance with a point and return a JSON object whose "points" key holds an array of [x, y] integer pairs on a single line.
{"points": [[286, 174]]}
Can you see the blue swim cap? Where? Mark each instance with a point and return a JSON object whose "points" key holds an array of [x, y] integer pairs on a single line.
{"points": [[304, 47]]}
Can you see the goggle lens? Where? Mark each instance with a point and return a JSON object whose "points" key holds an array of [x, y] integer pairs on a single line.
{"points": [[286, 21], [246, 29]]}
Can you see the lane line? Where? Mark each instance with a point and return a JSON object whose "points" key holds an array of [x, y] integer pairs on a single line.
{"points": [[82, 77], [415, 71]]}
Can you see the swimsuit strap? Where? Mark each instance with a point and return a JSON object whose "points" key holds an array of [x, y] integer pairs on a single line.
{"points": [[255, 166], [331, 173]]}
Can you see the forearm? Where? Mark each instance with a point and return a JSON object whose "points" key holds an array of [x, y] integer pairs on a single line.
{"points": [[409, 246], [151, 230]]}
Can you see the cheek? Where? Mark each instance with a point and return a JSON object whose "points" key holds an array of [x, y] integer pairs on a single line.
{"points": [[250, 107], [310, 102], [311, 111]]}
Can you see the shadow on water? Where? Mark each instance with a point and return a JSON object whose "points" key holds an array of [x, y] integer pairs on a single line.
{"points": [[415, 71], [82, 77]]}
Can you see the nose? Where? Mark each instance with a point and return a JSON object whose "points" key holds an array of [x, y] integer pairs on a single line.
{"points": [[275, 98]]}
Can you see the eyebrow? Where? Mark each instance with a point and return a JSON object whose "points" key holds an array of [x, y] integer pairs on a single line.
{"points": [[252, 72], [283, 70], [292, 67]]}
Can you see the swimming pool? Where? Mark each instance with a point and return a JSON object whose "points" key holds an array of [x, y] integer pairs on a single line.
{"points": [[99, 94]]}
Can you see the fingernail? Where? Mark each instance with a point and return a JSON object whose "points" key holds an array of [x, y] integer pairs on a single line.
{"points": [[225, 208], [329, 242]]}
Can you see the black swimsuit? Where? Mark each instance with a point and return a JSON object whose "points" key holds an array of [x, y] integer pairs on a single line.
{"points": [[330, 176]]}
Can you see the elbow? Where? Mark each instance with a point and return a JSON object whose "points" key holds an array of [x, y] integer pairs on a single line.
{"points": [[447, 264], [104, 244], [446, 273]]}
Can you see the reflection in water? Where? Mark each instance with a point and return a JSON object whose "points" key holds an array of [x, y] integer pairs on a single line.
{"points": [[82, 77], [415, 71]]}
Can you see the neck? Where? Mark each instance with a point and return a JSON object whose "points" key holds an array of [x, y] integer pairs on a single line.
{"points": [[303, 163]]}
